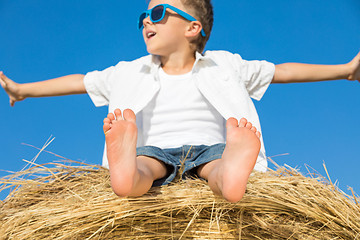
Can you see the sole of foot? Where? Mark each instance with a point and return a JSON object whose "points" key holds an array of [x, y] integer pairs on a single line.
{"points": [[239, 157], [121, 137]]}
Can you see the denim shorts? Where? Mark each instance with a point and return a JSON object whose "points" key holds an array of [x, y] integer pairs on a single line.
{"points": [[183, 160]]}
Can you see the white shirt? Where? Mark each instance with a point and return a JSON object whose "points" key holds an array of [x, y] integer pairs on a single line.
{"points": [[224, 79], [180, 115]]}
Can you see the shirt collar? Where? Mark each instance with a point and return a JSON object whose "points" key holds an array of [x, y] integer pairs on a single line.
{"points": [[156, 63], [199, 56]]}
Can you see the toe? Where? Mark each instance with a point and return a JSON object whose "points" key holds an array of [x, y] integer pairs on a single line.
{"points": [[118, 114], [242, 122], [248, 125], [111, 116], [258, 134], [129, 115], [253, 129], [106, 127], [107, 120], [231, 123]]}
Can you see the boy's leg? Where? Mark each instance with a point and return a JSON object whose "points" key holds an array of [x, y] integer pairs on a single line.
{"points": [[228, 176], [129, 175]]}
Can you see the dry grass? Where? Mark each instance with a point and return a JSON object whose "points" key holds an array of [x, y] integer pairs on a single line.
{"points": [[63, 201]]}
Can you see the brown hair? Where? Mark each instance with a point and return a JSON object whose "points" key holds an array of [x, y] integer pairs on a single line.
{"points": [[202, 10]]}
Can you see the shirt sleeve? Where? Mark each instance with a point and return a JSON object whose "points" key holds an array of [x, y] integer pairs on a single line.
{"points": [[98, 85], [256, 75]]}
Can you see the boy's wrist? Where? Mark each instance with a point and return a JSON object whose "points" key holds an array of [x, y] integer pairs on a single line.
{"points": [[347, 71], [352, 70], [20, 91], [343, 71]]}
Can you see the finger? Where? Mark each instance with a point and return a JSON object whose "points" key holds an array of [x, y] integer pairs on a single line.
{"points": [[2, 83], [2, 76], [2, 79]]}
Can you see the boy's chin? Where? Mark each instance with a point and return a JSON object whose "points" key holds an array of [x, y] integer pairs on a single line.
{"points": [[154, 52]]}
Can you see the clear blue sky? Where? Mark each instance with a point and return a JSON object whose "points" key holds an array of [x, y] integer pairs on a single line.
{"points": [[312, 122]]}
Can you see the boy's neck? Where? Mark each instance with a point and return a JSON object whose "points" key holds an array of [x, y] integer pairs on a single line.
{"points": [[178, 63]]}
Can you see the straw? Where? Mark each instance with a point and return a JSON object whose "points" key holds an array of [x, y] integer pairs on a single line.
{"points": [[71, 200]]}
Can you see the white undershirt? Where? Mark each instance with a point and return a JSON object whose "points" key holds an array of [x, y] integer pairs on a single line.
{"points": [[180, 115]]}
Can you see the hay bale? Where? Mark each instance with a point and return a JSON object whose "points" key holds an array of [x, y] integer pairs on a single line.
{"points": [[58, 201]]}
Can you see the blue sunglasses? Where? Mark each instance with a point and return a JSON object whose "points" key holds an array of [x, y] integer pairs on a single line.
{"points": [[157, 14]]}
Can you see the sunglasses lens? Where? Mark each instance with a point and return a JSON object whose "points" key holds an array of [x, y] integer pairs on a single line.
{"points": [[157, 13], [141, 19]]}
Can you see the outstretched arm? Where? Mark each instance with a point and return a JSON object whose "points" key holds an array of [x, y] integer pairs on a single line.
{"points": [[71, 84], [298, 72]]}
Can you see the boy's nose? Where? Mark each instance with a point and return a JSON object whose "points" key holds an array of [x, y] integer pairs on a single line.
{"points": [[147, 21]]}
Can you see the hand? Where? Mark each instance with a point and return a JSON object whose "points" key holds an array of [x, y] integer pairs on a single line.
{"points": [[11, 88], [355, 69]]}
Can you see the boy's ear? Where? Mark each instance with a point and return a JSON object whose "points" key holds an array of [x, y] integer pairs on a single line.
{"points": [[194, 29]]}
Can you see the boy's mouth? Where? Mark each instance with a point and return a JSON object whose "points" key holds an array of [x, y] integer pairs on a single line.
{"points": [[150, 34]]}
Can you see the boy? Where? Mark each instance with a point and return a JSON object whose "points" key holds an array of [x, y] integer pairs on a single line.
{"points": [[178, 100]]}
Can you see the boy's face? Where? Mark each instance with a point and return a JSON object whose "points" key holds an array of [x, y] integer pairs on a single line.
{"points": [[168, 35]]}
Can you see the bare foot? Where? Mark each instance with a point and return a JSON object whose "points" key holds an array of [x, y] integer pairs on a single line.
{"points": [[239, 158], [121, 136]]}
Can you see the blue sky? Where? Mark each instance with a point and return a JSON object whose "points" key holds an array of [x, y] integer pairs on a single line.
{"points": [[311, 122]]}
